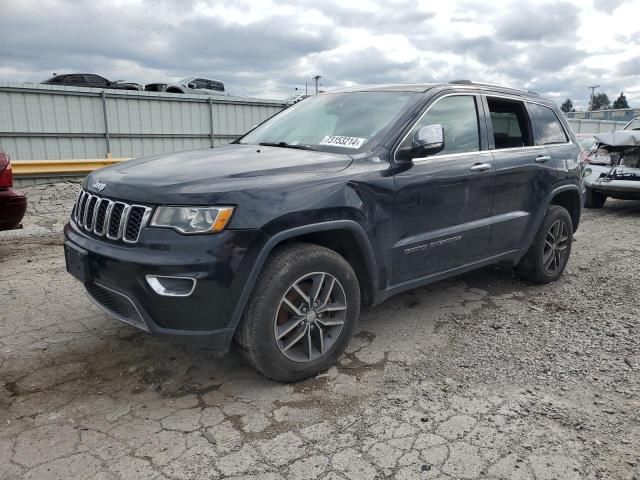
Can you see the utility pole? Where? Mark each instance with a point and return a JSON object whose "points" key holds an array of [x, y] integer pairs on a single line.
{"points": [[593, 89], [317, 79]]}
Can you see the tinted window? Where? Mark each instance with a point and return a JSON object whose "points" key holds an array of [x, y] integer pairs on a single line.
{"points": [[459, 117], [510, 123], [57, 79], [96, 80], [215, 86], [75, 80], [201, 83], [548, 129]]}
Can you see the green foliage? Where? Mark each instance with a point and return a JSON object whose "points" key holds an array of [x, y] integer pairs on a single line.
{"points": [[621, 101], [567, 106], [600, 102]]}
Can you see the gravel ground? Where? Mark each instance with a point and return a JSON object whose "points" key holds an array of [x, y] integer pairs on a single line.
{"points": [[482, 376]]}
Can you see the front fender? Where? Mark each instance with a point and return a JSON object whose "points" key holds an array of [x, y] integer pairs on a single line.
{"points": [[278, 238]]}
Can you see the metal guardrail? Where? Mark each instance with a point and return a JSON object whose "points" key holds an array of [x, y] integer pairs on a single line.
{"points": [[46, 168]]}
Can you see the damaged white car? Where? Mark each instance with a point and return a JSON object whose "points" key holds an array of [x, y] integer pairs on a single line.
{"points": [[613, 167]]}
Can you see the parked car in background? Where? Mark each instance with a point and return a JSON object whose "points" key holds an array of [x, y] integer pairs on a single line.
{"points": [[13, 204], [341, 200], [613, 167], [90, 80], [155, 87], [633, 124], [197, 85]]}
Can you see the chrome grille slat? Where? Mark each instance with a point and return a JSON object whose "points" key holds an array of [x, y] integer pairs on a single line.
{"points": [[118, 224]]}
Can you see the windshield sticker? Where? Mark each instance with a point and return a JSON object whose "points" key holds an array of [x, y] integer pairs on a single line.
{"points": [[346, 142]]}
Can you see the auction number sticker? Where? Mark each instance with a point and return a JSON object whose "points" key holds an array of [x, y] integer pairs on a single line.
{"points": [[339, 141]]}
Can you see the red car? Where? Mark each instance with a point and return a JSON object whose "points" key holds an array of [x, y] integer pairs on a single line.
{"points": [[13, 204]]}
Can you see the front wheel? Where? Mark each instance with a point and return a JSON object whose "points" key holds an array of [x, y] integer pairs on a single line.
{"points": [[301, 314], [549, 253]]}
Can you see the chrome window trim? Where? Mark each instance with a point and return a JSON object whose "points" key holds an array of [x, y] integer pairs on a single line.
{"points": [[526, 100], [451, 155], [456, 94]]}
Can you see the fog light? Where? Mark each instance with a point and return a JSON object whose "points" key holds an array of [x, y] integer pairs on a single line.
{"points": [[171, 286]]}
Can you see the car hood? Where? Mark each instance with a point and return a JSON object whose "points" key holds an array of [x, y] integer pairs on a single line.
{"points": [[197, 176]]}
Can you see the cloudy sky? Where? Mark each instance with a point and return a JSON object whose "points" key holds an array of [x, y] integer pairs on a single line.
{"points": [[268, 48]]}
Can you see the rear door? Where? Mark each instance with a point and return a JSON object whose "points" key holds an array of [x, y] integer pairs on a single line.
{"points": [[442, 207], [525, 173], [550, 133]]}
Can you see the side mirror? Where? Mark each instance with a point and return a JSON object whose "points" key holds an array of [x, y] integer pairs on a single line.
{"points": [[192, 85], [428, 140]]}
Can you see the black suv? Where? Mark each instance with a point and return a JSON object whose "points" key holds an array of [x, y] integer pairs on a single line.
{"points": [[341, 200], [90, 80]]}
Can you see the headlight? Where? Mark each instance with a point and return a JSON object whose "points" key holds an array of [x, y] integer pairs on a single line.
{"points": [[192, 219]]}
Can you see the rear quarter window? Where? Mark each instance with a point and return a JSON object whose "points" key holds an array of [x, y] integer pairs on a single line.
{"points": [[547, 127]]}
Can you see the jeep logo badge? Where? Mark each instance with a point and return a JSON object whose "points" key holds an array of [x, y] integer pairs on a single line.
{"points": [[99, 186]]}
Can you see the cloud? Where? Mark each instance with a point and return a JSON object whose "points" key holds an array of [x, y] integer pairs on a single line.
{"points": [[270, 47], [538, 21], [607, 6]]}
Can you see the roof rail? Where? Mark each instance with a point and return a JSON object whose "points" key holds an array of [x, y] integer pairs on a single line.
{"points": [[471, 82]]}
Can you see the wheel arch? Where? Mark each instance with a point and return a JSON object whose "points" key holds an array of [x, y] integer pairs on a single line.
{"points": [[174, 89], [570, 198], [346, 237]]}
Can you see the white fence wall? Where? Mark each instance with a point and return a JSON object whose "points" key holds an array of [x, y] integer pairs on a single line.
{"points": [[594, 126], [46, 122]]}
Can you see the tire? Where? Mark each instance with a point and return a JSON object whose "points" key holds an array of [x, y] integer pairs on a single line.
{"points": [[593, 199], [533, 266], [268, 316]]}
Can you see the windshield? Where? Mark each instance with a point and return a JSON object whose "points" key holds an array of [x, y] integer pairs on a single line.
{"points": [[633, 124], [338, 122]]}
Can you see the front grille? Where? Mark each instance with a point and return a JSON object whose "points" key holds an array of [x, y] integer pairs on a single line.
{"points": [[112, 219], [116, 304]]}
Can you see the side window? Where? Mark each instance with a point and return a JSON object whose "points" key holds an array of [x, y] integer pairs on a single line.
{"points": [[201, 83], [459, 117], [96, 80], [75, 80], [548, 129], [511, 127], [212, 85]]}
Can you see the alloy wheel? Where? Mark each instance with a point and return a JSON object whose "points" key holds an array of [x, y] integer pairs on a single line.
{"points": [[555, 247], [310, 317]]}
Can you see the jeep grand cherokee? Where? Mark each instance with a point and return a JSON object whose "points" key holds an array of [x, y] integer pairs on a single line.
{"points": [[344, 199]]}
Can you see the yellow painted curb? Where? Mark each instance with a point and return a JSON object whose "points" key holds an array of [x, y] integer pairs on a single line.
{"points": [[59, 167]]}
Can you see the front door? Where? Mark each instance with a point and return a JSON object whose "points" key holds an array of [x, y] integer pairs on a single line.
{"points": [[442, 209]]}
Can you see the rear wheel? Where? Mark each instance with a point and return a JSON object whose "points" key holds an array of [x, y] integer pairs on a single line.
{"points": [[549, 253], [302, 313], [593, 199]]}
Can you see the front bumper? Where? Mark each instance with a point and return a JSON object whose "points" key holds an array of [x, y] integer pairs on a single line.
{"points": [[221, 263], [13, 205], [595, 177]]}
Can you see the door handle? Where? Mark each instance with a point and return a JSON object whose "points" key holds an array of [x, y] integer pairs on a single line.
{"points": [[480, 167], [543, 158]]}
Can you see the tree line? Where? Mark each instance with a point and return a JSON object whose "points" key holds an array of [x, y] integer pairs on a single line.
{"points": [[600, 101]]}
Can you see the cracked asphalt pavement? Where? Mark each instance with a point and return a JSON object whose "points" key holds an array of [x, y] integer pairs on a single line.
{"points": [[483, 376]]}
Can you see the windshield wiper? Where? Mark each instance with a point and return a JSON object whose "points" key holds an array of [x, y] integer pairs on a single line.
{"points": [[286, 145]]}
